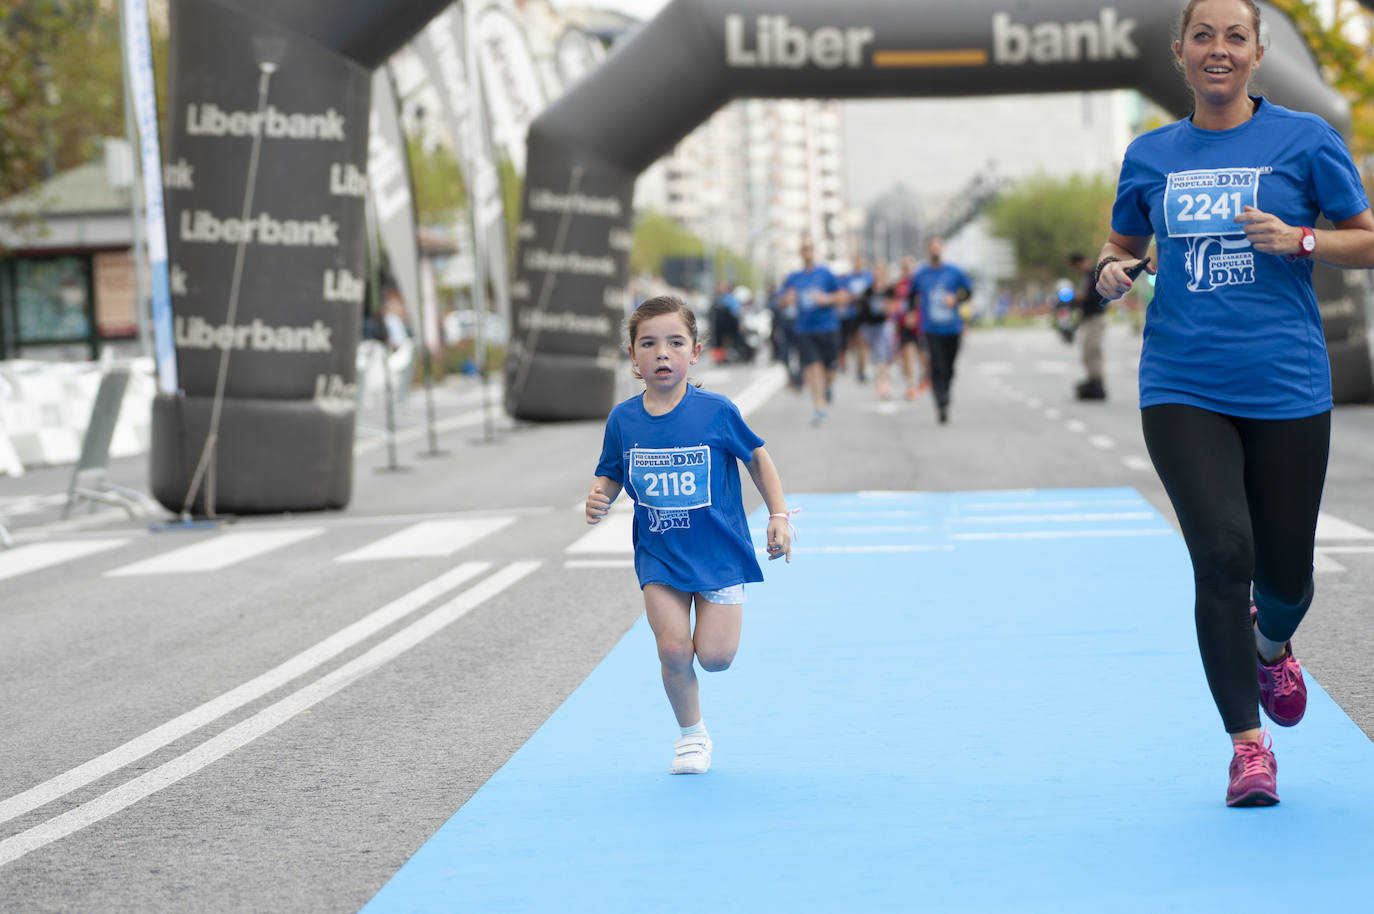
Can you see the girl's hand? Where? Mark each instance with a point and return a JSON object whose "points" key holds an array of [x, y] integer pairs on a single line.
{"points": [[597, 505], [779, 539], [1268, 233]]}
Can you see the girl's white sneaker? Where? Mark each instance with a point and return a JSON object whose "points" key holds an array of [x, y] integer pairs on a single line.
{"points": [[691, 755]]}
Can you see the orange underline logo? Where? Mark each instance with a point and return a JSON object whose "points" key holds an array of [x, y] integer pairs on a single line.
{"points": [[967, 57]]}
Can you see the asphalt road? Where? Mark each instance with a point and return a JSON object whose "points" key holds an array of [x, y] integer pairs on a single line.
{"points": [[282, 733]]}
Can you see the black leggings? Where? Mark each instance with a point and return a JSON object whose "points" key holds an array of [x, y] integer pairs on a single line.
{"points": [[944, 349], [1246, 492]]}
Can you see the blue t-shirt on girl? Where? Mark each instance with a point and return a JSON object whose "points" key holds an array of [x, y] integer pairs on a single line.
{"points": [[1231, 329], [813, 317], [689, 527], [933, 285]]}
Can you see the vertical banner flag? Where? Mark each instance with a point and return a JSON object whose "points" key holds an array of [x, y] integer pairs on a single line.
{"points": [[577, 55], [388, 175], [138, 55], [510, 79], [442, 52]]}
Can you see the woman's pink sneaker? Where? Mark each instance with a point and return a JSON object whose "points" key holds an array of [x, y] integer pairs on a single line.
{"points": [[1253, 771], [1283, 694]]}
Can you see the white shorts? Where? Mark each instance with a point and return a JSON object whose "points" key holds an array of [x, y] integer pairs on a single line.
{"points": [[726, 596]]}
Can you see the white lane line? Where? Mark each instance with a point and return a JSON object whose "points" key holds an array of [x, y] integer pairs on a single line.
{"points": [[1102, 442], [1324, 563], [36, 556], [216, 553], [1139, 464], [856, 531], [1057, 534], [612, 534], [860, 550], [1346, 550], [1333, 528], [1076, 425], [428, 538], [264, 721], [758, 392], [1056, 518], [252, 690], [416, 432], [599, 563], [1056, 505]]}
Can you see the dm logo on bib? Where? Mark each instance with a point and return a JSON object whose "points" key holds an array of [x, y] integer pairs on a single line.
{"points": [[1215, 262], [669, 482], [1201, 207]]}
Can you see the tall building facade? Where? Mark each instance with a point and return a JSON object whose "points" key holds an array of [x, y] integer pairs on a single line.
{"points": [[757, 177]]}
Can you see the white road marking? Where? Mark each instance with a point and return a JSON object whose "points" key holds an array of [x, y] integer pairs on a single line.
{"points": [[1057, 505], [217, 552], [429, 538], [612, 534], [252, 690], [1057, 534], [1102, 442], [1076, 425], [264, 721], [1056, 518], [1139, 464], [36, 556], [758, 392], [1053, 414], [1324, 563], [858, 550], [1346, 550], [1333, 528]]}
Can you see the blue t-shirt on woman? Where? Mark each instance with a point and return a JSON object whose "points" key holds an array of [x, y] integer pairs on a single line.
{"points": [[1231, 329], [689, 528]]}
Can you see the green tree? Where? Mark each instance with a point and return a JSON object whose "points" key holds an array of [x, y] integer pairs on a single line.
{"points": [[1346, 61], [1048, 218], [440, 194], [61, 86], [657, 236], [512, 186]]}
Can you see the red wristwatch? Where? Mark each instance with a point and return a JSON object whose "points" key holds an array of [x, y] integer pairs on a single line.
{"points": [[1306, 245]]}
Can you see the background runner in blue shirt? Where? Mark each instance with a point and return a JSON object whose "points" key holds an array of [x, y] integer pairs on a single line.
{"points": [[675, 447], [817, 296], [1235, 386], [939, 289]]}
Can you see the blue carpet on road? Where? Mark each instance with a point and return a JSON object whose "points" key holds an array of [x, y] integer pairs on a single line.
{"points": [[948, 702]]}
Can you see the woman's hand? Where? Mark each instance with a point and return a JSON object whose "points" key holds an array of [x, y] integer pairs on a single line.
{"points": [[1268, 233], [1112, 279]]}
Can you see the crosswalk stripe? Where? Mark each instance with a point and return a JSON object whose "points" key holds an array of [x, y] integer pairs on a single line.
{"points": [[217, 552], [36, 556], [429, 538], [1333, 528], [612, 534]]}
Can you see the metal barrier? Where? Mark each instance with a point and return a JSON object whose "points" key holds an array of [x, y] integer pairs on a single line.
{"points": [[88, 480]]}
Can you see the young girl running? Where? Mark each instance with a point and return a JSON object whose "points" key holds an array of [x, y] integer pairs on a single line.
{"points": [[674, 447]]}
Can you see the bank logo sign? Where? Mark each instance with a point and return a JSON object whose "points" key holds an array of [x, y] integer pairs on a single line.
{"points": [[775, 42]]}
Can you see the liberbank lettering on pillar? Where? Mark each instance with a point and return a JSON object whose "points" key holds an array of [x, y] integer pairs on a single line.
{"points": [[774, 42]]}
